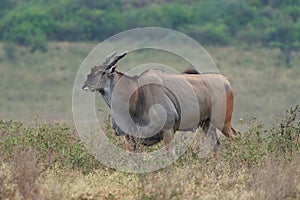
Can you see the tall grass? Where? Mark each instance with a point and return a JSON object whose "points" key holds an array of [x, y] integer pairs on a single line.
{"points": [[48, 161]]}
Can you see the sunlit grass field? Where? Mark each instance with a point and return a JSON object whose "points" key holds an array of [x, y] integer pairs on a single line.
{"points": [[48, 161]]}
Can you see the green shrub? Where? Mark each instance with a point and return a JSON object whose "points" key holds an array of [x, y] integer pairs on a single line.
{"points": [[284, 139], [215, 34], [57, 144], [279, 142], [54, 144], [219, 22], [28, 26]]}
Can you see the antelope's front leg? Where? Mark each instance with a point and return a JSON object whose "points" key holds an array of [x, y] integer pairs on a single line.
{"points": [[130, 143], [168, 136]]}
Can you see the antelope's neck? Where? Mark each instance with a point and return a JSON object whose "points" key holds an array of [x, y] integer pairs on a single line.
{"points": [[122, 80], [123, 83]]}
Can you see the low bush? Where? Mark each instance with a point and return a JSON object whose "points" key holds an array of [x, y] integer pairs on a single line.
{"points": [[54, 144], [48, 161]]}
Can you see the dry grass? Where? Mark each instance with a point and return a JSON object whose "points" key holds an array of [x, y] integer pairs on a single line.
{"points": [[198, 180], [277, 180], [25, 171], [253, 166]]}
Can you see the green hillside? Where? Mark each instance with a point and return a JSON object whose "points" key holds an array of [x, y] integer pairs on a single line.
{"points": [[271, 23]]}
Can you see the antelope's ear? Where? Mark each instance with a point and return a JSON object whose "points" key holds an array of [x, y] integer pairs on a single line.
{"points": [[112, 69], [114, 61], [109, 57]]}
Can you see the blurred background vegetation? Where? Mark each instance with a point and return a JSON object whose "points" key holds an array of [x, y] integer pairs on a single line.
{"points": [[270, 23]]}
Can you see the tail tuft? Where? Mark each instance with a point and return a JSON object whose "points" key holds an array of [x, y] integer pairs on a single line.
{"points": [[190, 71]]}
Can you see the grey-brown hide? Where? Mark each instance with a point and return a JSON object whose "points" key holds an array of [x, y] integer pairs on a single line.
{"points": [[211, 109]]}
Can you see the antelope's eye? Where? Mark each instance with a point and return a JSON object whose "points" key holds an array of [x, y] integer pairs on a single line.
{"points": [[103, 72], [101, 91]]}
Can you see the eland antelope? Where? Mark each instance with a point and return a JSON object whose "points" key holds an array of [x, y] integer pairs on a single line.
{"points": [[187, 101]]}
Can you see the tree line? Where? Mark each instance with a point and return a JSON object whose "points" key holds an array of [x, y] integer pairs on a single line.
{"points": [[271, 23]]}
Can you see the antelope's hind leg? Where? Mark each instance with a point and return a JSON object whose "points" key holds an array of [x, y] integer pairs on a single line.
{"points": [[168, 136], [130, 143], [211, 140], [210, 131]]}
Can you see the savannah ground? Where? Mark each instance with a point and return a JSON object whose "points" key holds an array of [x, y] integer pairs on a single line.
{"points": [[42, 157]]}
